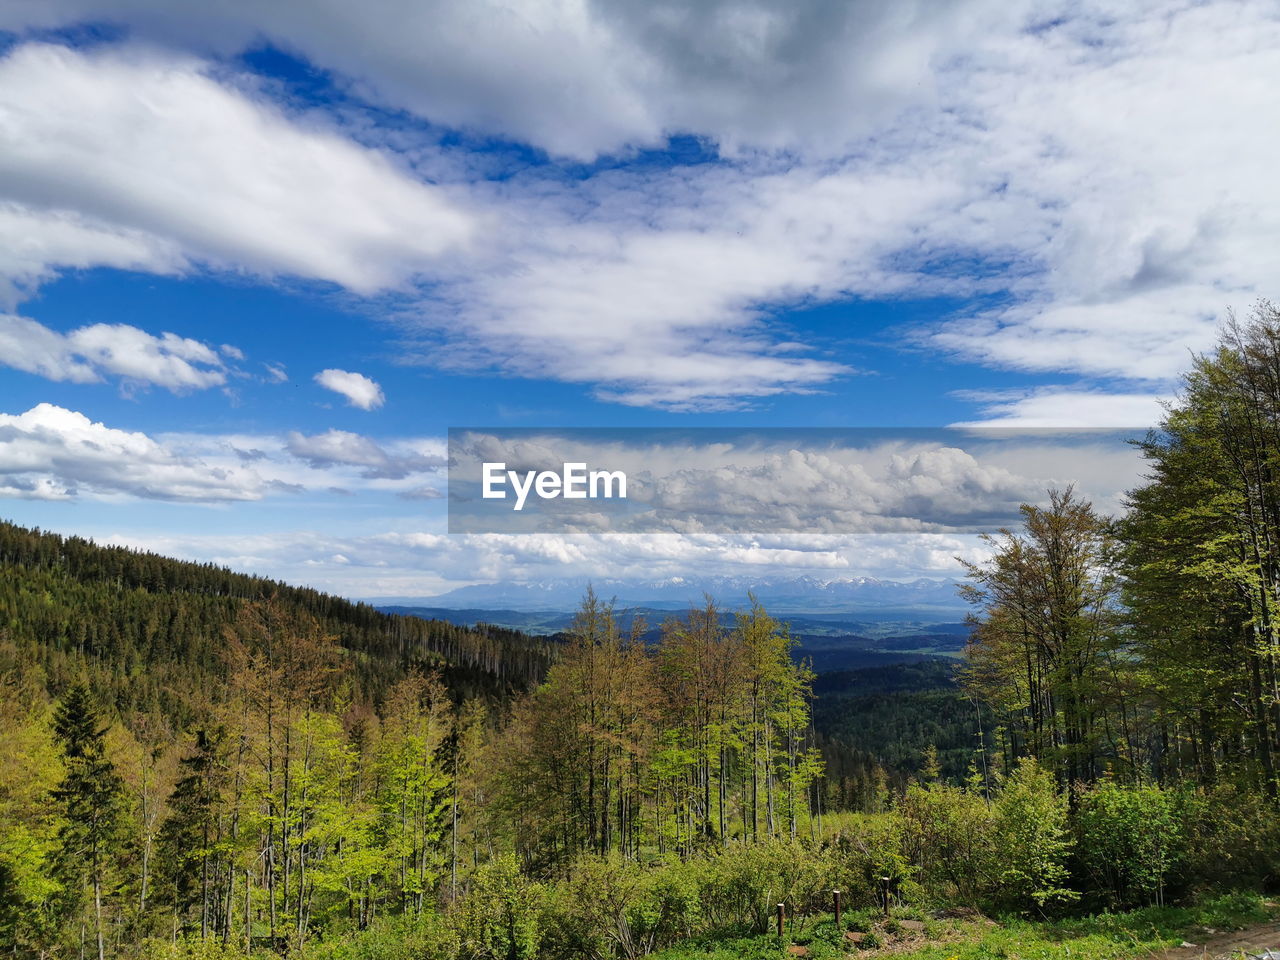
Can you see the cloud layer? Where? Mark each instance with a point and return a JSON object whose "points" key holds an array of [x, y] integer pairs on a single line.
{"points": [[415, 563], [50, 453], [1018, 158]]}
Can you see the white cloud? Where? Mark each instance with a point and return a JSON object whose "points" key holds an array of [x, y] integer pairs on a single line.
{"points": [[655, 297], [1055, 407], [1047, 172], [332, 462], [351, 449], [149, 160], [40, 241], [359, 390], [878, 149], [88, 353], [50, 453], [416, 562], [581, 78]]}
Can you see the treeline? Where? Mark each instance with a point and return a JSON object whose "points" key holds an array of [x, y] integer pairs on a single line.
{"points": [[1146, 648], [298, 805]]}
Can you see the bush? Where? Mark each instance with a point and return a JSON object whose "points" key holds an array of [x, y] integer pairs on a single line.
{"points": [[1129, 841], [742, 886], [1032, 840], [609, 907], [864, 848], [1231, 840], [190, 949], [948, 832], [501, 915], [389, 938]]}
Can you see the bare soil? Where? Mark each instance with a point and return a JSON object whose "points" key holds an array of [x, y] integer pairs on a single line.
{"points": [[1227, 945]]}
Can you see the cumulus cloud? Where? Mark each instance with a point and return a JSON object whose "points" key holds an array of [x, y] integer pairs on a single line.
{"points": [[209, 172], [51, 453], [359, 390], [86, 354]]}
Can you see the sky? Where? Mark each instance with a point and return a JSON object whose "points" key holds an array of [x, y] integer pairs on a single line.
{"points": [[257, 259]]}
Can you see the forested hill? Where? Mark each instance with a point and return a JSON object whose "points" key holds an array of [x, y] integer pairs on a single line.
{"points": [[153, 632]]}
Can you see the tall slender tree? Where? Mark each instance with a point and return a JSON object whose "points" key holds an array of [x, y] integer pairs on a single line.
{"points": [[90, 796]]}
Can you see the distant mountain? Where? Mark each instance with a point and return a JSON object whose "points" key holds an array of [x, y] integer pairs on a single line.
{"points": [[808, 595]]}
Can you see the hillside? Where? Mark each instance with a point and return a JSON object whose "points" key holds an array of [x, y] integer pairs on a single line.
{"points": [[150, 632]]}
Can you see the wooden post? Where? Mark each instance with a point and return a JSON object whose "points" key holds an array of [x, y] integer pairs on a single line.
{"points": [[884, 895], [835, 897], [782, 914]]}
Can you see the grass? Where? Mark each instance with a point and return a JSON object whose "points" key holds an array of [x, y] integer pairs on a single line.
{"points": [[1108, 936]]}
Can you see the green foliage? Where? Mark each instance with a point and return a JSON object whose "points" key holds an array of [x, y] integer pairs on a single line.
{"points": [[501, 916], [949, 834], [147, 632], [1129, 840], [866, 847], [743, 886], [428, 937], [1231, 840], [1032, 838], [90, 799], [613, 908]]}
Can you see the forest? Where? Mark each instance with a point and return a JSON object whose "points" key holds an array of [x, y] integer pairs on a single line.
{"points": [[200, 763]]}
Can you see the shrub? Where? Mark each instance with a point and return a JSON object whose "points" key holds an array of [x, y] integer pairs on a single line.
{"points": [[1231, 839], [1129, 841], [190, 949], [609, 907], [1032, 839], [864, 848], [389, 938], [742, 886], [501, 915], [947, 832]]}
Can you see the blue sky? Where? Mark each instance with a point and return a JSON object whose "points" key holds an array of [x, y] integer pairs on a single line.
{"points": [[604, 214]]}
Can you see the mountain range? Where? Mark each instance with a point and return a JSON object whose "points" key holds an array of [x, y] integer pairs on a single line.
{"points": [[808, 595]]}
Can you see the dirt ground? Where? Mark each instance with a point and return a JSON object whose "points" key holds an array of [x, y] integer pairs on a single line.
{"points": [[1228, 945]]}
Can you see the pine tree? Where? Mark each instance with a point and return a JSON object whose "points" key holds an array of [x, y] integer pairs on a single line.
{"points": [[90, 794], [187, 835]]}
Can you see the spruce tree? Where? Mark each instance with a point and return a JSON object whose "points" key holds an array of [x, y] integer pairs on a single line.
{"points": [[186, 837], [91, 797]]}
